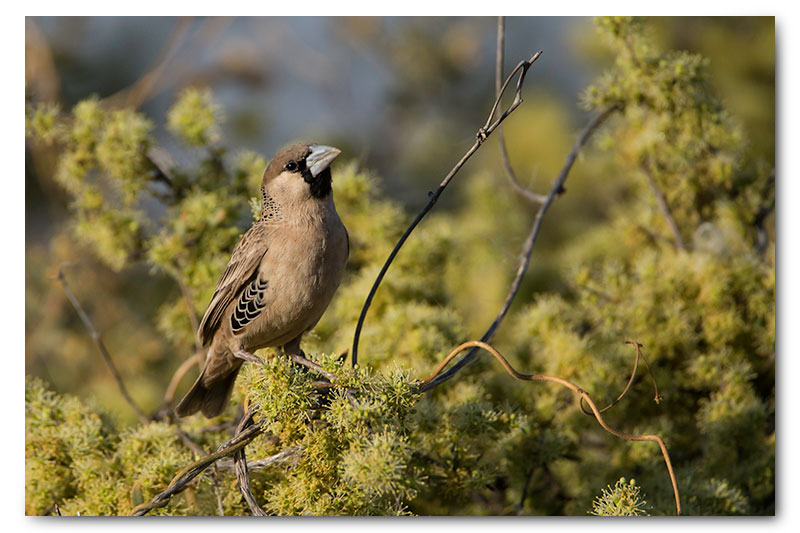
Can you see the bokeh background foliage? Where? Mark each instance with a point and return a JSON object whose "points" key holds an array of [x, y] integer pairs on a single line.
{"points": [[143, 205]]}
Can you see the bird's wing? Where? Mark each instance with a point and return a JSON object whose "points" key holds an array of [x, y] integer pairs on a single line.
{"points": [[246, 257]]}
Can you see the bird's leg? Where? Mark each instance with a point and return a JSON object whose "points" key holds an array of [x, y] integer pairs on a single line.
{"points": [[293, 351], [293, 348], [298, 357]]}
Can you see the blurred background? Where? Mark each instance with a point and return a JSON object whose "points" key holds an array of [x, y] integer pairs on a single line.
{"points": [[402, 96]]}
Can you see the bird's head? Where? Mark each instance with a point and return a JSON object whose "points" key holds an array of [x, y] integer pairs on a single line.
{"points": [[300, 171]]}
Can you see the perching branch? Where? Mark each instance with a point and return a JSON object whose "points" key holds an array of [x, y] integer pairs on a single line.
{"points": [[483, 133], [290, 453], [583, 395], [527, 248], [101, 347]]}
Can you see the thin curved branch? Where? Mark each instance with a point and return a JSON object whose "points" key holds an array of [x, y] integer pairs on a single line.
{"points": [[657, 398], [169, 395], [582, 394], [509, 170], [192, 312], [136, 94], [664, 206], [483, 133], [101, 347], [527, 248]]}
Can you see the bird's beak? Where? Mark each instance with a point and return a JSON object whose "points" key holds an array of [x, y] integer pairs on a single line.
{"points": [[320, 158]]}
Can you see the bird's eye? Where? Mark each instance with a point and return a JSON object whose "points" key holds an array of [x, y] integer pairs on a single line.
{"points": [[291, 166]]}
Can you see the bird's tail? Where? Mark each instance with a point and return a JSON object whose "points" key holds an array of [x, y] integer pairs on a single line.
{"points": [[211, 398]]}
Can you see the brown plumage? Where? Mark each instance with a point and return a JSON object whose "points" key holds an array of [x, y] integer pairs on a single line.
{"points": [[281, 276]]}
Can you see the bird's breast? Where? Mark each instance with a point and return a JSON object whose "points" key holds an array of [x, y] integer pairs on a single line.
{"points": [[303, 268]]}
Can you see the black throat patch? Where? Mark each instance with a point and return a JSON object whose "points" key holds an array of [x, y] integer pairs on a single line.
{"points": [[321, 185]]}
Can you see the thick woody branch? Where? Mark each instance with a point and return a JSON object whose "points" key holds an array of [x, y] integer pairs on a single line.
{"points": [[483, 133]]}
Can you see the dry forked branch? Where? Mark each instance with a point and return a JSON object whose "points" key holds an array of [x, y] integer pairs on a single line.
{"points": [[545, 202], [582, 394], [183, 478], [527, 248], [483, 133]]}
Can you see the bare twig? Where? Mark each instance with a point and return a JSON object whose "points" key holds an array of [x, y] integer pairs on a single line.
{"points": [[657, 398], [169, 395], [662, 204], [101, 347], [761, 216], [264, 462], [525, 488], [498, 80], [240, 464], [217, 491], [187, 298], [192, 445], [132, 97], [483, 133], [583, 395], [527, 248]]}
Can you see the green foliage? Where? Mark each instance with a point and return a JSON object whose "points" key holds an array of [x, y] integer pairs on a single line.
{"points": [[624, 499], [482, 443], [195, 117], [353, 441], [76, 459]]}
